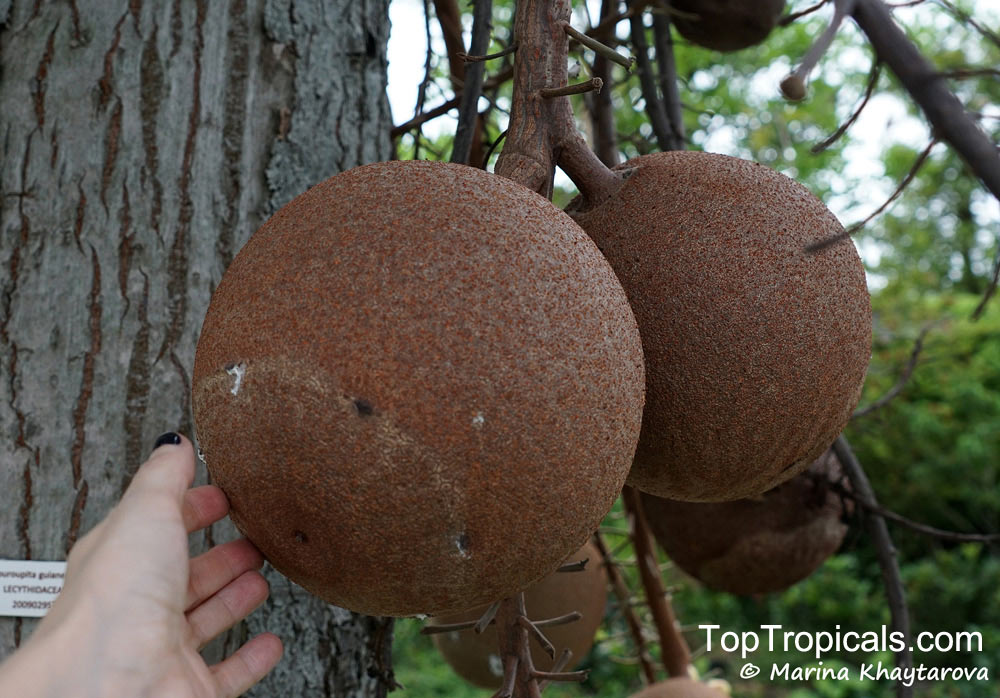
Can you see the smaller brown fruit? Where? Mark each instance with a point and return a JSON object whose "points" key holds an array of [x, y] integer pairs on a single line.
{"points": [[726, 25], [474, 656], [758, 545]]}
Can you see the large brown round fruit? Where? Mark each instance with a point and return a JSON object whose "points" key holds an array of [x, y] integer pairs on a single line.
{"points": [[474, 656], [760, 545], [726, 25], [756, 350], [420, 386], [679, 688]]}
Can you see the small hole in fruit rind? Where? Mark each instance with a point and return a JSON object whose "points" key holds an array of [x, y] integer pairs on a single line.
{"points": [[301, 537], [364, 408], [462, 543]]}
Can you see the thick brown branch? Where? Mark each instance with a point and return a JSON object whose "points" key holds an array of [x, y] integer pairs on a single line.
{"points": [[542, 132], [528, 156], [674, 651], [886, 552], [950, 122]]}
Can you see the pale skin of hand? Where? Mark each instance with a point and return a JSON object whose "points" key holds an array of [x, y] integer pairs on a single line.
{"points": [[135, 610]]}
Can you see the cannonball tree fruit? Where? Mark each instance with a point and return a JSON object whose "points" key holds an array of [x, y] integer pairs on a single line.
{"points": [[726, 25], [756, 349], [761, 544], [680, 687], [474, 656], [420, 386]]}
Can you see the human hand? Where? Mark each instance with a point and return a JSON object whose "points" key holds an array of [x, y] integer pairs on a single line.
{"points": [[134, 610]]}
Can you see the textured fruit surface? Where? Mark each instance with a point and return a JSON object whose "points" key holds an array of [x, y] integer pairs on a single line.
{"points": [[756, 350], [420, 386], [759, 545], [726, 25], [474, 656], [678, 688]]}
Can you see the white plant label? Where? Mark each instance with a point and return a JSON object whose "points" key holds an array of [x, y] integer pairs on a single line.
{"points": [[28, 587]]}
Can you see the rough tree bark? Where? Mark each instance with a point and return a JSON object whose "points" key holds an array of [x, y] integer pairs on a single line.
{"points": [[143, 142]]}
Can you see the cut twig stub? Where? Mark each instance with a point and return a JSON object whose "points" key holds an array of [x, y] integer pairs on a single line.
{"points": [[487, 617], [578, 566], [538, 635], [626, 61], [592, 85]]}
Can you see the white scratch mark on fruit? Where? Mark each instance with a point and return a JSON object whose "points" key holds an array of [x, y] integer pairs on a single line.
{"points": [[478, 420], [237, 372]]}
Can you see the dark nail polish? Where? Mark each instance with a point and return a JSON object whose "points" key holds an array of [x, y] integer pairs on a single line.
{"points": [[168, 439]]}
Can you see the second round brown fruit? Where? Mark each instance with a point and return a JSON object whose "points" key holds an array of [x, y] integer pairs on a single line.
{"points": [[756, 349]]}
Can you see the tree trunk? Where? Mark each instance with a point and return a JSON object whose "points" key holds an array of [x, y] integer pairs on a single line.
{"points": [[143, 142]]}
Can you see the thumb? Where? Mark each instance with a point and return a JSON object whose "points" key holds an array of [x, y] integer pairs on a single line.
{"points": [[168, 470]]}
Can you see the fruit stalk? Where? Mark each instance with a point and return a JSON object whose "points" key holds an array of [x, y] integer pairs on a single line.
{"points": [[542, 132], [674, 650], [519, 680], [886, 551]]}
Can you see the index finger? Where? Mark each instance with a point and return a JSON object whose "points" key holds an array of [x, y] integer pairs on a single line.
{"points": [[203, 506]]}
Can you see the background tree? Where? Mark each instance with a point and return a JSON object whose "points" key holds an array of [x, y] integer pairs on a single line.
{"points": [[143, 142]]}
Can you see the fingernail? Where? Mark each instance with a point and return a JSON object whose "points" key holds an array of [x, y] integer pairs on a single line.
{"points": [[169, 439]]}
